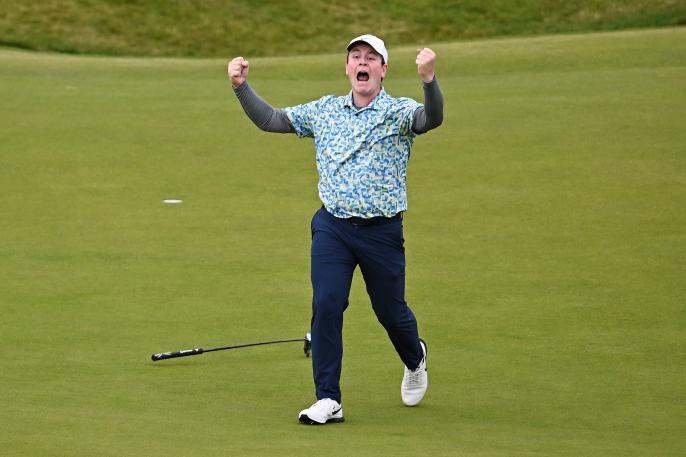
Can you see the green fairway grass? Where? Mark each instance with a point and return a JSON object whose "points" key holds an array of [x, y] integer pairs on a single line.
{"points": [[545, 242]]}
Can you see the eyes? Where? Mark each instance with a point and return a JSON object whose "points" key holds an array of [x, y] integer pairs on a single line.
{"points": [[368, 57]]}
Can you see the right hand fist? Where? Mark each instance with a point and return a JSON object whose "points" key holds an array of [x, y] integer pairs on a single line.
{"points": [[238, 71]]}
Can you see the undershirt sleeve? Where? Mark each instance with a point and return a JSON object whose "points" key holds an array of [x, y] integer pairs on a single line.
{"points": [[263, 115], [430, 115]]}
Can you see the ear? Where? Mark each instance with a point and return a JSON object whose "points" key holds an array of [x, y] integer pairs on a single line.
{"points": [[384, 69]]}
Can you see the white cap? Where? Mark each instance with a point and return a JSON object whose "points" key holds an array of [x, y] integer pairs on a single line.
{"points": [[375, 42]]}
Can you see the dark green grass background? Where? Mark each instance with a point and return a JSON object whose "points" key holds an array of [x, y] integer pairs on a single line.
{"points": [[272, 27], [545, 243]]}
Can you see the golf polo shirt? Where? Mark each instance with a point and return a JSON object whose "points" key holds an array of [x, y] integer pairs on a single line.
{"points": [[362, 154]]}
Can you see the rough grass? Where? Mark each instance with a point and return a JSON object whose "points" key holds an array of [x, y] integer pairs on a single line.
{"points": [[271, 27]]}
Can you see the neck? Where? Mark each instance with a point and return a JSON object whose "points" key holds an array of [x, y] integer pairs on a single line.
{"points": [[362, 100]]}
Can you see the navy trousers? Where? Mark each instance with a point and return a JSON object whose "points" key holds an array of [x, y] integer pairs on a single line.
{"points": [[338, 247]]}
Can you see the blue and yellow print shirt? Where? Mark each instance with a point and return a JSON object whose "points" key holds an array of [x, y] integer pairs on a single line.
{"points": [[362, 153]]}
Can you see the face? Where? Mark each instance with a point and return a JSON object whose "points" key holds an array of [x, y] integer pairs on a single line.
{"points": [[365, 70]]}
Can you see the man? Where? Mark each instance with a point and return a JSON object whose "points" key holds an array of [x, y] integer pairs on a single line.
{"points": [[362, 143]]}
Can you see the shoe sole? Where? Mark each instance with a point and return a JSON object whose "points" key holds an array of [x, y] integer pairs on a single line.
{"points": [[304, 419]]}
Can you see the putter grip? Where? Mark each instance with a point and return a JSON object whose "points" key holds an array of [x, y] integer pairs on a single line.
{"points": [[172, 355]]}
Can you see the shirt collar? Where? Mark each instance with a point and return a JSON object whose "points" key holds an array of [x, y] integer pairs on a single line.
{"points": [[375, 104]]}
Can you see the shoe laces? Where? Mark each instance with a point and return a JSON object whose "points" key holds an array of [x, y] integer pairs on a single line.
{"points": [[325, 403], [416, 376]]}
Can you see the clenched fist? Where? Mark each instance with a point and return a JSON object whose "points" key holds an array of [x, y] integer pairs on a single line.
{"points": [[238, 71], [425, 61]]}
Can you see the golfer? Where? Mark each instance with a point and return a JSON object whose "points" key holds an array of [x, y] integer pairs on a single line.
{"points": [[362, 143]]}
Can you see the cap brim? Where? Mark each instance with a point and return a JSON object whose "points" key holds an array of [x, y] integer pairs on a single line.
{"points": [[350, 46]]}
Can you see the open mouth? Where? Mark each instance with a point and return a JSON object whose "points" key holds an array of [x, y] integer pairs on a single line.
{"points": [[363, 76]]}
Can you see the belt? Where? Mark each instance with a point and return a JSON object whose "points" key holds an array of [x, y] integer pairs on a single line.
{"points": [[363, 221]]}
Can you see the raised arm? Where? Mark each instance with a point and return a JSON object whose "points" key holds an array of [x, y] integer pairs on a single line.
{"points": [[263, 115], [430, 115]]}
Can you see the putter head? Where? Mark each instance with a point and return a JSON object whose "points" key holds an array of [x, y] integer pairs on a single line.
{"points": [[308, 345]]}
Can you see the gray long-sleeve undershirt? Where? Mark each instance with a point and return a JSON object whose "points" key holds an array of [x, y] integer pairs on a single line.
{"points": [[271, 119]]}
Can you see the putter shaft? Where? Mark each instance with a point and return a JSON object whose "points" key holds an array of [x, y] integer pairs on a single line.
{"points": [[198, 351]]}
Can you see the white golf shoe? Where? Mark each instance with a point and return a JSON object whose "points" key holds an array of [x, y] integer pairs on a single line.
{"points": [[323, 411], [415, 382]]}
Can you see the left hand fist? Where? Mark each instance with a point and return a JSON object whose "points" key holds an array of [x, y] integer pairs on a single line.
{"points": [[425, 61]]}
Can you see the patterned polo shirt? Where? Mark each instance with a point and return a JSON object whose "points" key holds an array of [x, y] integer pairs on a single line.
{"points": [[362, 153]]}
